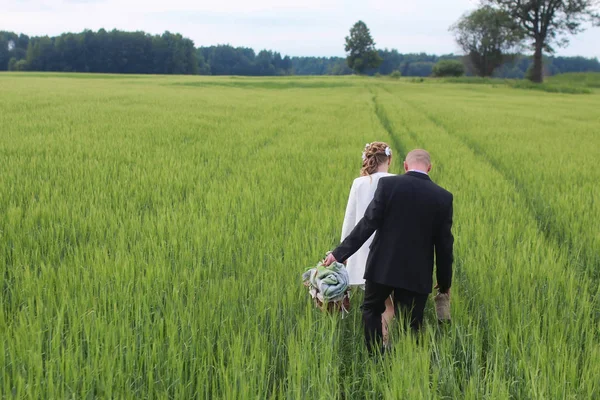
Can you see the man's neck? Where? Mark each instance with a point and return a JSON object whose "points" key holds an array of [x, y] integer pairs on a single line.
{"points": [[417, 170]]}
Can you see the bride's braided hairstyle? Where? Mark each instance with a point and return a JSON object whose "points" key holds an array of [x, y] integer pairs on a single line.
{"points": [[374, 155]]}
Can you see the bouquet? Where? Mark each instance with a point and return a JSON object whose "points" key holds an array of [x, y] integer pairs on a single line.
{"points": [[328, 286]]}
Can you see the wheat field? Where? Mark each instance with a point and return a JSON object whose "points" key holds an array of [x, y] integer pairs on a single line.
{"points": [[153, 231]]}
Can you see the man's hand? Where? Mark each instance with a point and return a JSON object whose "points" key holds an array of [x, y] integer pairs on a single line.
{"points": [[330, 259], [437, 286]]}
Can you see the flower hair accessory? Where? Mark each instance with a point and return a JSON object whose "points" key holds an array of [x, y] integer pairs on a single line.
{"points": [[364, 153], [388, 151]]}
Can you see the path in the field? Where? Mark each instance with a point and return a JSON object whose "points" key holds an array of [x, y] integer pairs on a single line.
{"points": [[476, 318], [465, 274], [541, 213]]}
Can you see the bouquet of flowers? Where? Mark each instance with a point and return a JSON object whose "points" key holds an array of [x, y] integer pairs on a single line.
{"points": [[328, 286]]}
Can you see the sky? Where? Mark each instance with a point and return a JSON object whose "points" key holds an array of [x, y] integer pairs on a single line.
{"points": [[292, 27]]}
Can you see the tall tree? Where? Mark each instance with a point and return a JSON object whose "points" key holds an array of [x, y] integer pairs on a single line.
{"points": [[488, 36], [41, 55], [548, 22], [4, 52], [11, 46], [361, 49]]}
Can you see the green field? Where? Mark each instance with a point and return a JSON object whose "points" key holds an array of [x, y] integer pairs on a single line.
{"points": [[153, 231]]}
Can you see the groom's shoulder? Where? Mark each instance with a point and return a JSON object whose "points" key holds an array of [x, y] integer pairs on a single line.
{"points": [[406, 182], [446, 194], [391, 179], [394, 180], [397, 179]]}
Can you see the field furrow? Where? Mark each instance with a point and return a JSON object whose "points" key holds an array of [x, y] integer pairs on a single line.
{"points": [[504, 285]]}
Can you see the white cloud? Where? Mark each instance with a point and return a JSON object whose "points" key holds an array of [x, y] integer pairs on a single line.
{"points": [[147, 6]]}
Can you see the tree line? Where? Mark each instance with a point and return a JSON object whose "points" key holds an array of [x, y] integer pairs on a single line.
{"points": [[133, 52], [493, 34], [103, 51], [499, 30], [422, 65], [229, 60], [138, 52]]}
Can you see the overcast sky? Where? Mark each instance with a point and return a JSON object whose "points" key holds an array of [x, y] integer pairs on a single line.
{"points": [[292, 27]]}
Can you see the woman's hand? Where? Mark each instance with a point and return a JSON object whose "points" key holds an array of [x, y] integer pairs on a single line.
{"points": [[330, 259]]}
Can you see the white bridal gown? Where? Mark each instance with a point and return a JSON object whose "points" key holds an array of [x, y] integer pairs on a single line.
{"points": [[361, 194]]}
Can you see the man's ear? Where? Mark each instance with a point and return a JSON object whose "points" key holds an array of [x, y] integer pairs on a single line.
{"points": [[405, 167], [429, 168]]}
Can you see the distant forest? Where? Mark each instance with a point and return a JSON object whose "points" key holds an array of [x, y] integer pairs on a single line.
{"points": [[141, 53]]}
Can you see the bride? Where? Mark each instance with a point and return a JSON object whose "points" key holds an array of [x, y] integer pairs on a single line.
{"points": [[376, 157]]}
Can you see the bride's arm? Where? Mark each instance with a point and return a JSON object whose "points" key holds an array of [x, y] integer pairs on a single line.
{"points": [[350, 217], [372, 221]]}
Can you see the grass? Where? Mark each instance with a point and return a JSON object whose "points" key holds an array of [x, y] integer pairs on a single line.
{"points": [[271, 83], [584, 79], [551, 87], [572, 83], [153, 232]]}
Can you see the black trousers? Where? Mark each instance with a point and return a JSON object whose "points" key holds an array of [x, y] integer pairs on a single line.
{"points": [[407, 304]]}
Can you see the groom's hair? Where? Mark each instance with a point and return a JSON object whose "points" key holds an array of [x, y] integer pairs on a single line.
{"points": [[418, 156]]}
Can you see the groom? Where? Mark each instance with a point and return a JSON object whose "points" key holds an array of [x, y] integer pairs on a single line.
{"points": [[413, 219]]}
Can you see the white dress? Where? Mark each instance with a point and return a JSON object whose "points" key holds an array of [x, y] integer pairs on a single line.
{"points": [[361, 194]]}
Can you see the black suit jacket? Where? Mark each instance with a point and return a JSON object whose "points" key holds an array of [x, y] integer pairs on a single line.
{"points": [[413, 219]]}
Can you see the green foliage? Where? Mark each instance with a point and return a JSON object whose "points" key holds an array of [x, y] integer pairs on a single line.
{"points": [[422, 65], [20, 65], [229, 60], [12, 46], [548, 23], [396, 74], [448, 68], [551, 88], [487, 36], [529, 73], [108, 52], [12, 64], [360, 47], [475, 80], [152, 248], [4, 54], [136, 52], [272, 83], [589, 80]]}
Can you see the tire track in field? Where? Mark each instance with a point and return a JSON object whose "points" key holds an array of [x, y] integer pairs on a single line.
{"points": [[546, 220], [347, 352], [479, 313], [387, 124], [546, 224], [479, 319]]}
